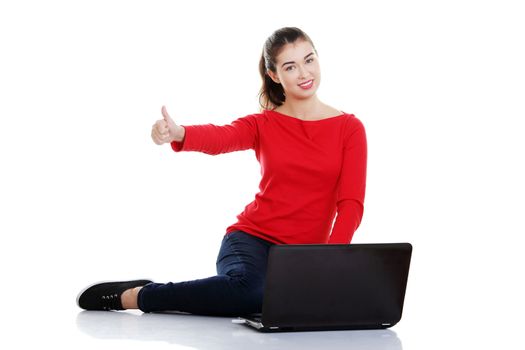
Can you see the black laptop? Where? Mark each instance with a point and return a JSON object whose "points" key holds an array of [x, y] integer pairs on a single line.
{"points": [[333, 287]]}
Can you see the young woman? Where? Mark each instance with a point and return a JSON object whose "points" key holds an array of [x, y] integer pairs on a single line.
{"points": [[313, 162]]}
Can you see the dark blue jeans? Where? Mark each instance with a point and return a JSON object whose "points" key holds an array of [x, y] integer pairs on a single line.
{"points": [[236, 290]]}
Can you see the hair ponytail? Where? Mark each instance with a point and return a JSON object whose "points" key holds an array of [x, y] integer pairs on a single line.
{"points": [[271, 94]]}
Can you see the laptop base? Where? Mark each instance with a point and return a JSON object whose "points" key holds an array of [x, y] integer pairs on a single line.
{"points": [[258, 325]]}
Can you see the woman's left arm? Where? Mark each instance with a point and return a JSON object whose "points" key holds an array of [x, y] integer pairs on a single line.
{"points": [[352, 184]]}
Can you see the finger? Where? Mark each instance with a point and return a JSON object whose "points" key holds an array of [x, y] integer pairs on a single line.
{"points": [[164, 133], [155, 133], [165, 114], [162, 139], [161, 126], [159, 135], [155, 138]]}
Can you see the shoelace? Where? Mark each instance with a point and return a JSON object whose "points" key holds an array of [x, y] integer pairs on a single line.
{"points": [[111, 302]]}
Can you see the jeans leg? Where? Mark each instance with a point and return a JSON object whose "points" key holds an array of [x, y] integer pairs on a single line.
{"points": [[237, 289]]}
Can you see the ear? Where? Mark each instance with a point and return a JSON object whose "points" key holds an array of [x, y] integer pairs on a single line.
{"points": [[273, 76]]}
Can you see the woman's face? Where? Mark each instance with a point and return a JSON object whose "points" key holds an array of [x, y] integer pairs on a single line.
{"points": [[297, 63]]}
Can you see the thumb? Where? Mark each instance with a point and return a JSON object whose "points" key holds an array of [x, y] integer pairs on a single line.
{"points": [[166, 116]]}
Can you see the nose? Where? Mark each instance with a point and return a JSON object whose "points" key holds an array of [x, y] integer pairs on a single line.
{"points": [[302, 71]]}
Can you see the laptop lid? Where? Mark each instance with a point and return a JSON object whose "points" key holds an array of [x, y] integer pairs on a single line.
{"points": [[335, 286]]}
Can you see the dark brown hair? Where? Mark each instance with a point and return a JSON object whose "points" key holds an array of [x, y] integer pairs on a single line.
{"points": [[271, 94]]}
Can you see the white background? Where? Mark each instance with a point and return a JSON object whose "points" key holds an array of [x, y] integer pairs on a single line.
{"points": [[85, 195]]}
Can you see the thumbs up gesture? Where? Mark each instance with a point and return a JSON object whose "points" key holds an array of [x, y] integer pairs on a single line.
{"points": [[165, 130]]}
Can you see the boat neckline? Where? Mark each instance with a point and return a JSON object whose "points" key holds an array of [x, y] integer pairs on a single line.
{"points": [[303, 120]]}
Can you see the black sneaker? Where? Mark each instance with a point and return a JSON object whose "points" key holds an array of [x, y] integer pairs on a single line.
{"points": [[106, 295]]}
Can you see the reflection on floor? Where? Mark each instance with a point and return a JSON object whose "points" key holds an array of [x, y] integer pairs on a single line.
{"points": [[201, 332]]}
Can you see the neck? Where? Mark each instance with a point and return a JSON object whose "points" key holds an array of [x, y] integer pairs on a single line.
{"points": [[302, 109]]}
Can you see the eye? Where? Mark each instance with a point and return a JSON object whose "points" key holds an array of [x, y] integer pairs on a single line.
{"points": [[310, 60]]}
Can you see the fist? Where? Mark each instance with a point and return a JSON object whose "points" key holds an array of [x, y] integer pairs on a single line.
{"points": [[165, 130]]}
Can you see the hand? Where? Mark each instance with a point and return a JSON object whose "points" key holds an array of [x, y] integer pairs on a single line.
{"points": [[165, 130]]}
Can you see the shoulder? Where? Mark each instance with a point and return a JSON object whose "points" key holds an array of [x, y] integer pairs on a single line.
{"points": [[252, 117], [354, 130], [253, 122], [352, 123]]}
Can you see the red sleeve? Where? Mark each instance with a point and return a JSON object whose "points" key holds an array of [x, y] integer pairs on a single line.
{"points": [[212, 139], [351, 186]]}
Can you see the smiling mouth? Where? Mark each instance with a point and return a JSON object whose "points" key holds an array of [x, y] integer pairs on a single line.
{"points": [[307, 84]]}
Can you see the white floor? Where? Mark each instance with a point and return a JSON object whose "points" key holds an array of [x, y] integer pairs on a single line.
{"points": [[197, 332], [72, 328]]}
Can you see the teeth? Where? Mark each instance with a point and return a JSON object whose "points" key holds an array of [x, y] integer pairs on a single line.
{"points": [[307, 83]]}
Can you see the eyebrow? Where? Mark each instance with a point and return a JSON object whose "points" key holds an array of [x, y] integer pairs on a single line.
{"points": [[305, 57]]}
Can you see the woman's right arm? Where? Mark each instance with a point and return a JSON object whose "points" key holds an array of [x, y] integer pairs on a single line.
{"points": [[212, 139]]}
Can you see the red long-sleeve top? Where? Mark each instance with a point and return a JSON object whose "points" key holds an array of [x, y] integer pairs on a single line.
{"points": [[311, 170]]}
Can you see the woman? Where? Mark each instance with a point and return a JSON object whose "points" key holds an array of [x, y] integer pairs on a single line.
{"points": [[313, 162]]}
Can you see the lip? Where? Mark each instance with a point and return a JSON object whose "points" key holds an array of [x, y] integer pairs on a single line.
{"points": [[307, 84]]}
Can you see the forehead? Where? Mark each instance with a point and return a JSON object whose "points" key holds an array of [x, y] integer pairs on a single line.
{"points": [[295, 51]]}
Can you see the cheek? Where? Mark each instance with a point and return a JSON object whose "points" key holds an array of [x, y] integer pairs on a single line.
{"points": [[317, 70], [288, 80]]}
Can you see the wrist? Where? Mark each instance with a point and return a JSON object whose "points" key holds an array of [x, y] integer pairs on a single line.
{"points": [[180, 132]]}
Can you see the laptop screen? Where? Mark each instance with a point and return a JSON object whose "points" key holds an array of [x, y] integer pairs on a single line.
{"points": [[355, 285]]}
